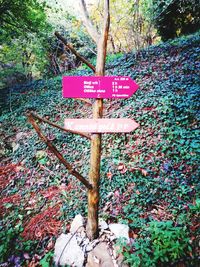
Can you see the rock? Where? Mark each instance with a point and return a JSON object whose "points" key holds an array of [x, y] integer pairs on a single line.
{"points": [[67, 251], [120, 230], [15, 146], [89, 247], [83, 233], [99, 257], [20, 135], [79, 240], [77, 224], [94, 242], [102, 224], [110, 194], [112, 237], [103, 238], [86, 241]]}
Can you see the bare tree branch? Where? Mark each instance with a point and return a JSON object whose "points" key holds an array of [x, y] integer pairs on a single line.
{"points": [[59, 127], [70, 47], [88, 23], [57, 153]]}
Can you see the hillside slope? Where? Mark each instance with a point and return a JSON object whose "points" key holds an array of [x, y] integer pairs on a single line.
{"points": [[149, 178]]}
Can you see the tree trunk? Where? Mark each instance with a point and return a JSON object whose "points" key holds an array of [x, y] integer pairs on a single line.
{"points": [[95, 158], [94, 175]]}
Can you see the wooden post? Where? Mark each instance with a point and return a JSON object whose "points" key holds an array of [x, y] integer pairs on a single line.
{"points": [[94, 175], [95, 158]]}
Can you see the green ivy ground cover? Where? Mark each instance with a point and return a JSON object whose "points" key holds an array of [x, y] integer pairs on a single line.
{"points": [[149, 178]]}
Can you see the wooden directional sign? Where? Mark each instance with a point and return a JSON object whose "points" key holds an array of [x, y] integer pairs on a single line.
{"points": [[98, 87], [101, 125]]}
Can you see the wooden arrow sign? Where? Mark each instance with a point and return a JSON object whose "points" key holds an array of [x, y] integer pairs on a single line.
{"points": [[98, 87], [101, 125]]}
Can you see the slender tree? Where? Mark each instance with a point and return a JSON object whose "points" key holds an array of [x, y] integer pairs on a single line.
{"points": [[101, 40]]}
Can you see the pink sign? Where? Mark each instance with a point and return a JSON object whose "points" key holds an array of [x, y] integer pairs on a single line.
{"points": [[101, 125], [98, 87]]}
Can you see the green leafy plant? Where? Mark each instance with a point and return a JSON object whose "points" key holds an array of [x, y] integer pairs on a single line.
{"points": [[168, 242], [160, 242]]}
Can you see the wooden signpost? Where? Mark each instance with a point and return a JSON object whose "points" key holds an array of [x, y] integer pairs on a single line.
{"points": [[97, 87]]}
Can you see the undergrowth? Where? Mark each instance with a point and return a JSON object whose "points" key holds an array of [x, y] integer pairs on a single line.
{"points": [[149, 178]]}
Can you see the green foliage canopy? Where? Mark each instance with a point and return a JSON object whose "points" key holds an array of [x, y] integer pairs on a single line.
{"points": [[23, 39], [173, 18], [19, 17]]}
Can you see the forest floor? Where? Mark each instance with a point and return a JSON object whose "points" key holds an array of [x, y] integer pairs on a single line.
{"points": [[149, 178]]}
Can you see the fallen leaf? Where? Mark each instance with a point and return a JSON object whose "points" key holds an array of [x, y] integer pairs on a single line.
{"points": [[144, 172], [109, 175]]}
